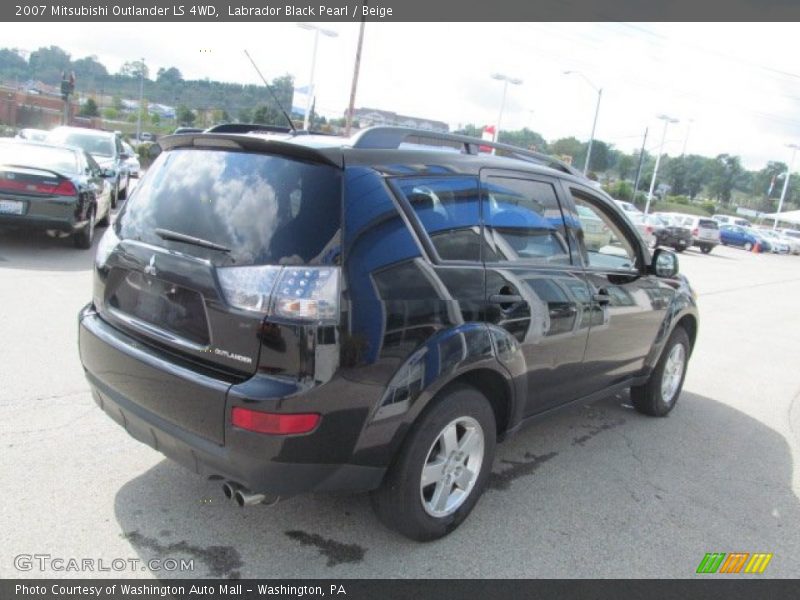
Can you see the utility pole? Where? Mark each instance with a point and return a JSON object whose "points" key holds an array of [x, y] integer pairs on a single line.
{"points": [[351, 106], [667, 120], [141, 101], [794, 148], [639, 168]]}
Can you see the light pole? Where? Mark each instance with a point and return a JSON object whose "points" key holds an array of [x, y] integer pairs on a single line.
{"points": [[317, 31], [506, 80], [794, 148], [141, 101], [599, 91], [667, 120], [686, 139]]}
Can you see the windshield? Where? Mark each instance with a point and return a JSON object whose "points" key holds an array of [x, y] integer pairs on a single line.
{"points": [[93, 143], [265, 209], [61, 160]]}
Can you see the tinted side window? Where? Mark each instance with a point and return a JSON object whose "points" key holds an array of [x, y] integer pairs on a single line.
{"points": [[523, 218], [602, 242], [448, 209]]}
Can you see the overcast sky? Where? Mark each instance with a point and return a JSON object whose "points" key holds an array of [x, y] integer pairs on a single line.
{"points": [[738, 83]]}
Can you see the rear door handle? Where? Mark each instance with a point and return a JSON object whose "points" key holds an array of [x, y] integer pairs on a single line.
{"points": [[505, 299]]}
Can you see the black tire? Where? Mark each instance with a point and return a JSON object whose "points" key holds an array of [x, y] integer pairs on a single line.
{"points": [[399, 501], [706, 249], [106, 220], [648, 398], [84, 238], [115, 195], [679, 248], [121, 195]]}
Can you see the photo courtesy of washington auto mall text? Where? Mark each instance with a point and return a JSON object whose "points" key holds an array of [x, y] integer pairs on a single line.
{"points": [[421, 299]]}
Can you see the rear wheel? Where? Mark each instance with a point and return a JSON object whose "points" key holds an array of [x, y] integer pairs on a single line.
{"points": [[115, 195], [83, 239], [442, 469], [124, 194], [658, 396], [706, 249]]}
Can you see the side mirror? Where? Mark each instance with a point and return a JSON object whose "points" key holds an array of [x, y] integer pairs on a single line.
{"points": [[124, 155], [665, 263], [107, 173], [153, 151]]}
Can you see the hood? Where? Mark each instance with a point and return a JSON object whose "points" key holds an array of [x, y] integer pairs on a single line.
{"points": [[104, 161]]}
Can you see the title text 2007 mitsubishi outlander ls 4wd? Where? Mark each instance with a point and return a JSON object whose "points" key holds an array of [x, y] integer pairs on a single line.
{"points": [[291, 313]]}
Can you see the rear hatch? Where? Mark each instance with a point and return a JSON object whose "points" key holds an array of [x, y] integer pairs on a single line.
{"points": [[189, 265], [707, 229]]}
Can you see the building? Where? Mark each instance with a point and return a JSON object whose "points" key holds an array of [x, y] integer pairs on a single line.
{"points": [[368, 117]]}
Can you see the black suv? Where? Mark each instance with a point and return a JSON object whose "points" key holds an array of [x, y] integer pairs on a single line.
{"points": [[291, 313]]}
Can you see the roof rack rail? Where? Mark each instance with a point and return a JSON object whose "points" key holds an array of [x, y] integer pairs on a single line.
{"points": [[256, 127], [390, 138]]}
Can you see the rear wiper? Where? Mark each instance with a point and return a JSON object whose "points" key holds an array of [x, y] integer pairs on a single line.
{"points": [[166, 234]]}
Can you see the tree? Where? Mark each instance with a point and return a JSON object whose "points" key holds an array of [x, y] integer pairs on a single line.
{"points": [[626, 166], [725, 172], [47, 64], [569, 146], [245, 115], [169, 76], [89, 109], [184, 116], [89, 72], [524, 138], [134, 68], [12, 65], [268, 115]]}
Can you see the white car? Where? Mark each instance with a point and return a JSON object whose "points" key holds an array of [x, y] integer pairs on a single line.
{"points": [[730, 220], [780, 243], [628, 207], [794, 236]]}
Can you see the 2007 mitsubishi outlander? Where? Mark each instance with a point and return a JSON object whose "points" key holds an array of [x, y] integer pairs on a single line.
{"points": [[289, 313]]}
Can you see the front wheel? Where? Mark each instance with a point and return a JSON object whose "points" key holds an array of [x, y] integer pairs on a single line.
{"points": [[748, 246], [706, 249], [659, 395], [442, 468]]}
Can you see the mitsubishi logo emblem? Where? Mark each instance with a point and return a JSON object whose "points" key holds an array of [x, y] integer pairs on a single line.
{"points": [[150, 269]]}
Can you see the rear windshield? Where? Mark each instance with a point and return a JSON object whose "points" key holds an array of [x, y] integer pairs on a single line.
{"points": [[61, 160], [97, 144], [265, 209], [707, 224]]}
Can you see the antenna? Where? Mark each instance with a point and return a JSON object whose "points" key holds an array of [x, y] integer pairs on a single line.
{"points": [[274, 97]]}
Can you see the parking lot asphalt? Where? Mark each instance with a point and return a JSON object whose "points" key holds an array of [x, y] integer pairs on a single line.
{"points": [[595, 491]]}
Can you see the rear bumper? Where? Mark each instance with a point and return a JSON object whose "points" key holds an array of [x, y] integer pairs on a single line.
{"points": [[46, 214], [280, 465]]}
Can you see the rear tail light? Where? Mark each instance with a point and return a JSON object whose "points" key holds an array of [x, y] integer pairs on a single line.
{"points": [[695, 232], [273, 423], [63, 188], [301, 293], [649, 229]]}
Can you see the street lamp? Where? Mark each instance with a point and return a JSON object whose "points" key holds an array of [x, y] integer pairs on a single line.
{"points": [[506, 80], [686, 138], [317, 31], [794, 148], [141, 101], [667, 120], [599, 91]]}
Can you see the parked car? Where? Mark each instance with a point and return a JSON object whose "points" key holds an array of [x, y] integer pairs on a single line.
{"points": [[777, 241], [146, 136], [307, 313], [730, 220], [743, 237], [649, 226], [705, 231], [34, 135], [596, 234], [105, 147], [628, 207], [132, 163], [794, 236], [59, 189], [674, 233]]}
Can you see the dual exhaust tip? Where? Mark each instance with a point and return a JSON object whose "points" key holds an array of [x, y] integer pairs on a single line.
{"points": [[244, 497]]}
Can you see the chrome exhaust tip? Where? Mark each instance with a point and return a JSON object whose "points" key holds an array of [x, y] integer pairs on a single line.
{"points": [[246, 498], [229, 489]]}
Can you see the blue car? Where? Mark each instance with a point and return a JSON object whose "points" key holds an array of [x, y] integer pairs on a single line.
{"points": [[744, 237]]}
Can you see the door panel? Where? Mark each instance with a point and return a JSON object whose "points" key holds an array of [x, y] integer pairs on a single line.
{"points": [[532, 288], [627, 307]]}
